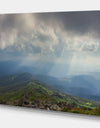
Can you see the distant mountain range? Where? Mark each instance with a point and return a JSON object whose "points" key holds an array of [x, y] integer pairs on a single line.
{"points": [[85, 86]]}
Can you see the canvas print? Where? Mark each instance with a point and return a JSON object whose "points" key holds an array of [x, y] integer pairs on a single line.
{"points": [[51, 61]]}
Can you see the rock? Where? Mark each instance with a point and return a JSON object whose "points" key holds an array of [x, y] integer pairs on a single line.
{"points": [[55, 107], [26, 102]]}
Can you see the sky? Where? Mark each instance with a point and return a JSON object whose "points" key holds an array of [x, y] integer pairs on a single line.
{"points": [[60, 43]]}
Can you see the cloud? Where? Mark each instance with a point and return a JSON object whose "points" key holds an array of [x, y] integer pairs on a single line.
{"points": [[50, 34], [90, 46], [79, 22], [58, 43], [11, 26]]}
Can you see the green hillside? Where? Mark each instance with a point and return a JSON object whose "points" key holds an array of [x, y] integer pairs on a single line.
{"points": [[24, 90]]}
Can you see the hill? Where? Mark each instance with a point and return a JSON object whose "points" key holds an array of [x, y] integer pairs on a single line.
{"points": [[24, 90], [85, 86]]}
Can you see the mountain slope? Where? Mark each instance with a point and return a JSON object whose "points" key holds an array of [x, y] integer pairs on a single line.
{"points": [[84, 86], [24, 90]]}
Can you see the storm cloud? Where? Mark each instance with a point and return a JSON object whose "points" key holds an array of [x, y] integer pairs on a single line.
{"points": [[48, 29], [59, 37]]}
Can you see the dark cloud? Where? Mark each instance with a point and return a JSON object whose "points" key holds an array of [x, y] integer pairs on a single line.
{"points": [[56, 42], [49, 32], [79, 22]]}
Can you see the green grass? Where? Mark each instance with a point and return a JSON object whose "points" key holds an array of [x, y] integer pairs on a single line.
{"points": [[35, 90], [84, 110]]}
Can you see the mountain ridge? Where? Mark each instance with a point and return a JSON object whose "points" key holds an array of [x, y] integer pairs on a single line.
{"points": [[23, 90]]}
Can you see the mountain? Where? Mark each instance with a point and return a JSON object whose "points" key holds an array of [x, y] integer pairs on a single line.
{"points": [[12, 67], [85, 86], [24, 90], [17, 66]]}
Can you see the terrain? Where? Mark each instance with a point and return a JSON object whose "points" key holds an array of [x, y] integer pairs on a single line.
{"points": [[82, 85], [25, 90]]}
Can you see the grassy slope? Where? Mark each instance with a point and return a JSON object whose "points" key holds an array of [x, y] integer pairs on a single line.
{"points": [[29, 91]]}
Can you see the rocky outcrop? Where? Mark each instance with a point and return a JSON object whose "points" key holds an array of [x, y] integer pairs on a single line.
{"points": [[48, 105]]}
